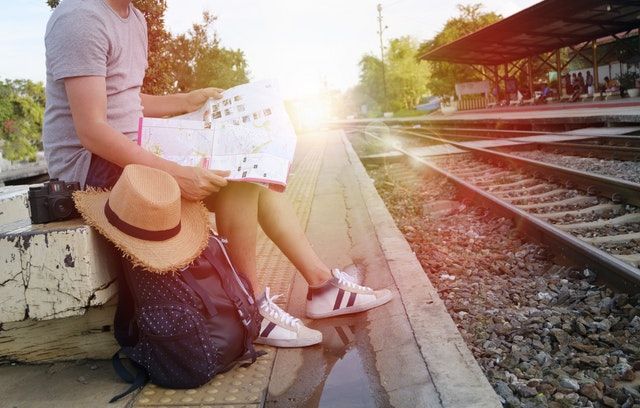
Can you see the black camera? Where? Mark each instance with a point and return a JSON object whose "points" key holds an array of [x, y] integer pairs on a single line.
{"points": [[52, 201]]}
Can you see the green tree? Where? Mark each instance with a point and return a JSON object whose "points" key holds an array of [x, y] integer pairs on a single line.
{"points": [[158, 79], [369, 90], [405, 76], [21, 115], [199, 61], [186, 61], [443, 75]]}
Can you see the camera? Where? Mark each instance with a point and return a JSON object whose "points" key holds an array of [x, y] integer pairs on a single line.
{"points": [[52, 201]]}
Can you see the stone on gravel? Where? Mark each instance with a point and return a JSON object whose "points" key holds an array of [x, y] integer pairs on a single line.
{"points": [[525, 391], [591, 391], [569, 383], [609, 402]]}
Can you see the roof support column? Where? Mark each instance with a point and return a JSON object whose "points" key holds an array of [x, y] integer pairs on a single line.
{"points": [[506, 80], [596, 79], [558, 73], [530, 75], [496, 83]]}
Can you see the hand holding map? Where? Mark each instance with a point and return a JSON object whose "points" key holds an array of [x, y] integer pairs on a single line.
{"points": [[247, 132]]}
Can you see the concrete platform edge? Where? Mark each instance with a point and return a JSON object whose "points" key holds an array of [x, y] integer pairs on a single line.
{"points": [[455, 372]]}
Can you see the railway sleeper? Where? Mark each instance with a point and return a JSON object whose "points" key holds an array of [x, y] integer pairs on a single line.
{"points": [[569, 201], [600, 208], [623, 219], [547, 194], [611, 239]]}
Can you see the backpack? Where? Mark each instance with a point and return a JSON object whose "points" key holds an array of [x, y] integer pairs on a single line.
{"points": [[181, 329]]}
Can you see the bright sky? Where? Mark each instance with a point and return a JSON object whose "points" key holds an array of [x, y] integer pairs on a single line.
{"points": [[304, 44]]}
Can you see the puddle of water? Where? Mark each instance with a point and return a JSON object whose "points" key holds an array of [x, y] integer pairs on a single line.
{"points": [[347, 384], [340, 373]]}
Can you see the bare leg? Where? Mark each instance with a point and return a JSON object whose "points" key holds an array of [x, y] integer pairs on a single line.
{"points": [[239, 207], [236, 208], [278, 220]]}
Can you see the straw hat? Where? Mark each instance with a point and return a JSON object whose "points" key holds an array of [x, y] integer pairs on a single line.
{"points": [[144, 216]]}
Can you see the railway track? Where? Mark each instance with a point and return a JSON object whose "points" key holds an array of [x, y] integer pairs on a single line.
{"points": [[592, 219]]}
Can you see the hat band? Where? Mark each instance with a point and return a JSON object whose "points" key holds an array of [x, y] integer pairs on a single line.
{"points": [[138, 232]]}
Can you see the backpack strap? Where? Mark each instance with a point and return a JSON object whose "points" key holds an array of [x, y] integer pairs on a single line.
{"points": [[204, 296], [137, 381], [245, 316]]}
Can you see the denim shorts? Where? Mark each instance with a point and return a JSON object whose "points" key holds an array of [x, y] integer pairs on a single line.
{"points": [[102, 173]]}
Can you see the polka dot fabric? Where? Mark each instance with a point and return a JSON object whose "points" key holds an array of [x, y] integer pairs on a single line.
{"points": [[182, 340]]}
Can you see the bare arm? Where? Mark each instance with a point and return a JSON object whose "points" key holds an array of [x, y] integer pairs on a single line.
{"points": [[176, 104], [88, 101]]}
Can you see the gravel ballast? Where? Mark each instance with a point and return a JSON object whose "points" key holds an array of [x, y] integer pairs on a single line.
{"points": [[626, 170], [545, 335]]}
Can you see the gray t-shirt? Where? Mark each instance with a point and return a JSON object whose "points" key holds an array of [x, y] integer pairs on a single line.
{"points": [[88, 38]]}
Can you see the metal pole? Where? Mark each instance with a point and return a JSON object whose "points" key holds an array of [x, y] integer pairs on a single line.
{"points": [[496, 80], [596, 77], [506, 84], [558, 73], [384, 78], [530, 71]]}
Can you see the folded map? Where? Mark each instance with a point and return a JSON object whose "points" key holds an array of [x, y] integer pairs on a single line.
{"points": [[247, 132]]}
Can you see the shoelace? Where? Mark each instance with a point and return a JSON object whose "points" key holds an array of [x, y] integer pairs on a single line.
{"points": [[276, 312], [348, 281]]}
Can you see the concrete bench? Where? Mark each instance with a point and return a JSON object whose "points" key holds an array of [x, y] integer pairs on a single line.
{"points": [[585, 96], [611, 95], [50, 272]]}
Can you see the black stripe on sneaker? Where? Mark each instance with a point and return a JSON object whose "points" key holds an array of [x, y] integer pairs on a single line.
{"points": [[338, 299], [268, 329], [352, 299]]}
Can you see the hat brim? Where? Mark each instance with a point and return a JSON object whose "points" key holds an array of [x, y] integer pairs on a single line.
{"points": [[156, 256]]}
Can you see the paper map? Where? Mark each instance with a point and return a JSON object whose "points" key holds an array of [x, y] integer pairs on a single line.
{"points": [[247, 132]]}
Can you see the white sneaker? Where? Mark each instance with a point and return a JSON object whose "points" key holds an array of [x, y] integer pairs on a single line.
{"points": [[280, 329], [341, 295]]}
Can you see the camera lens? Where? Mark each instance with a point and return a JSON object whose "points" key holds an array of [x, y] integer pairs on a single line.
{"points": [[62, 208]]}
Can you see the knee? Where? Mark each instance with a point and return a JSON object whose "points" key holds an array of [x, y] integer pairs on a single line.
{"points": [[243, 189]]}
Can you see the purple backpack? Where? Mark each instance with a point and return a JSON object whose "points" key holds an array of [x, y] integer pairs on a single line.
{"points": [[181, 329]]}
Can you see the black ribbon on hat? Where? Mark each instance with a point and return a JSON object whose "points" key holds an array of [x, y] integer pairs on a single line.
{"points": [[138, 232]]}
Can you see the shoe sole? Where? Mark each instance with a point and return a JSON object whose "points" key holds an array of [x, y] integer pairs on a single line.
{"points": [[287, 343], [353, 309]]}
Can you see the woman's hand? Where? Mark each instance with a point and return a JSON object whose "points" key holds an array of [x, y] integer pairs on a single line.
{"points": [[197, 183], [195, 99]]}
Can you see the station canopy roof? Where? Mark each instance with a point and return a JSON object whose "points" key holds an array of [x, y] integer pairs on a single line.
{"points": [[543, 27]]}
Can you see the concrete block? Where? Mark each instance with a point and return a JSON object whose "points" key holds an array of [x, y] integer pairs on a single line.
{"points": [[56, 270], [13, 303], [14, 204]]}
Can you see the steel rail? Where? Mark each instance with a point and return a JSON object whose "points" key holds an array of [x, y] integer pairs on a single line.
{"points": [[591, 136], [558, 241], [615, 152], [617, 190], [600, 151]]}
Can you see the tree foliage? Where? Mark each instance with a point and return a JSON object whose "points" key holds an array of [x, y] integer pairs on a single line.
{"points": [[443, 75], [405, 77], [198, 60], [183, 62], [21, 115]]}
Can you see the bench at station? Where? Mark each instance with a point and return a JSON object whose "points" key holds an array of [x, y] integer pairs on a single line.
{"points": [[57, 286]]}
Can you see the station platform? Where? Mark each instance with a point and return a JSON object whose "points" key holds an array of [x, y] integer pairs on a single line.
{"points": [[578, 114], [407, 353]]}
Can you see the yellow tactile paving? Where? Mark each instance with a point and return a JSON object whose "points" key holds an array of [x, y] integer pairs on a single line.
{"points": [[246, 386]]}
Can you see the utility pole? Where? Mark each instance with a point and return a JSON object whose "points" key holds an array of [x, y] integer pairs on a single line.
{"points": [[384, 78]]}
